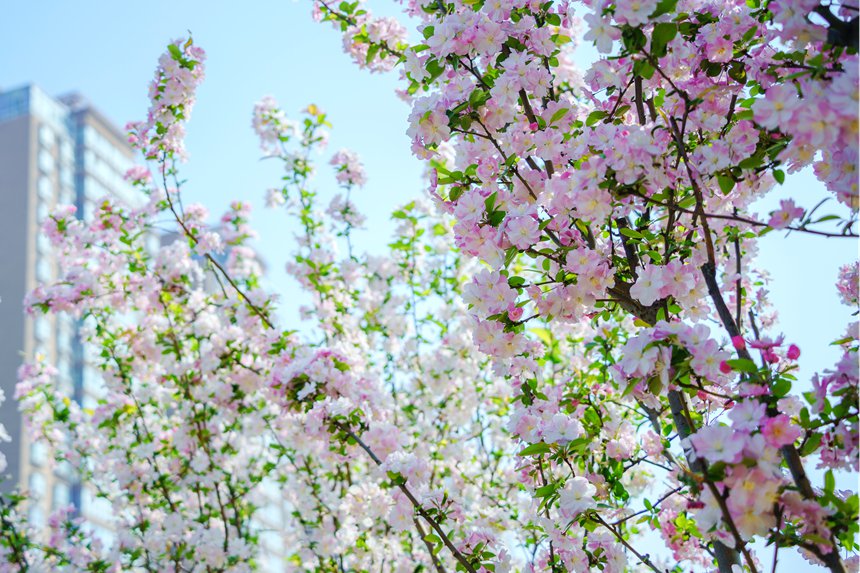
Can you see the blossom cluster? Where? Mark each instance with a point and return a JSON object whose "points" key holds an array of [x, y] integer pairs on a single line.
{"points": [[568, 346], [172, 94]]}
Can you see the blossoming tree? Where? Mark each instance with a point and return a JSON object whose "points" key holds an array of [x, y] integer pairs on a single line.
{"points": [[565, 362]]}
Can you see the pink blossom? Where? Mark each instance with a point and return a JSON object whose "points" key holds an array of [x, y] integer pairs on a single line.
{"points": [[785, 215], [780, 431], [576, 496]]}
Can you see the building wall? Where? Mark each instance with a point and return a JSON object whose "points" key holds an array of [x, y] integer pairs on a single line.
{"points": [[52, 152], [62, 151], [16, 273]]}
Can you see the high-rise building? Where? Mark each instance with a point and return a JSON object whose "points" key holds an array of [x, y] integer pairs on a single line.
{"points": [[57, 151], [52, 151]]}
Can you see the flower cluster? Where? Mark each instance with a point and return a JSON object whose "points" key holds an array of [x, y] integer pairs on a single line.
{"points": [[566, 354], [172, 95]]}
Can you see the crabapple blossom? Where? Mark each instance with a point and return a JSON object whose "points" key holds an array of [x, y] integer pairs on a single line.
{"points": [[575, 311], [576, 497]]}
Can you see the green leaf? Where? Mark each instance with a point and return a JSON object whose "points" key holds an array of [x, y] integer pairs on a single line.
{"points": [[781, 387], [594, 117], [633, 39], [829, 482], [726, 183], [535, 449], [811, 444], [664, 7], [779, 175], [371, 53], [752, 162], [542, 333], [175, 52], [515, 282], [742, 365], [478, 98], [490, 202], [643, 69], [558, 115], [660, 98], [664, 32], [827, 218], [545, 491], [495, 218]]}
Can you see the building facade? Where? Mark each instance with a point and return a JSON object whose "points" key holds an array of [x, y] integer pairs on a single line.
{"points": [[53, 151]]}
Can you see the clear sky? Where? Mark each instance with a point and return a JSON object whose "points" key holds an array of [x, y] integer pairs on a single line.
{"points": [[108, 51]]}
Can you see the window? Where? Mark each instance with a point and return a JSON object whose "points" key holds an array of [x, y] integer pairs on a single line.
{"points": [[43, 244], [63, 470], [43, 328], [37, 486], [45, 188], [63, 363], [42, 211], [36, 517], [67, 196], [66, 153], [38, 453], [43, 270], [61, 496], [46, 136], [66, 176], [46, 161]]}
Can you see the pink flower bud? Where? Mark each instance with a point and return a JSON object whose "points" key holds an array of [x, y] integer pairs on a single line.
{"points": [[515, 312], [533, 126], [793, 352], [738, 342], [724, 367]]}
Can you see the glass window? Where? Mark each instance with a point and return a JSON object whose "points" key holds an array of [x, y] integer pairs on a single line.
{"points": [[66, 153], [61, 496], [43, 270], [42, 211], [66, 176], [36, 517], [46, 136], [46, 161], [43, 243], [63, 469], [89, 402], [38, 453], [64, 332], [63, 364], [37, 486], [67, 196], [43, 328], [46, 188]]}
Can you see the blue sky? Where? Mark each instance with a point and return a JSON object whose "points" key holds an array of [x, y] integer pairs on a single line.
{"points": [[108, 52]]}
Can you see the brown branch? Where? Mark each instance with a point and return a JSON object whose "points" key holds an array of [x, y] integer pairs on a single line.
{"points": [[436, 563], [416, 504]]}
